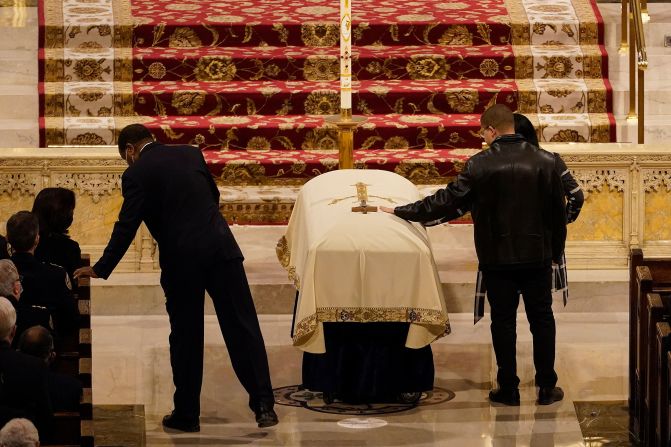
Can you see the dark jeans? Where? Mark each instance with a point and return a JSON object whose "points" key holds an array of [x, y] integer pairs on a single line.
{"points": [[503, 289], [226, 282]]}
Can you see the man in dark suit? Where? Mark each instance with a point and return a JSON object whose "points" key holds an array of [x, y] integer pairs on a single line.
{"points": [[44, 285], [172, 191], [4, 253], [515, 197], [24, 390], [65, 391]]}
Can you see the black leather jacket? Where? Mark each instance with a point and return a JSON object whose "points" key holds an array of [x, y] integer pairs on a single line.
{"points": [[515, 196]]}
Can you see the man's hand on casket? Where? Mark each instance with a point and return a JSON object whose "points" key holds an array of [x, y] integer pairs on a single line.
{"points": [[386, 209]]}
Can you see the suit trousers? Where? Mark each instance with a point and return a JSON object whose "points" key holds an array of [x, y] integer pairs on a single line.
{"points": [[226, 283], [503, 290]]}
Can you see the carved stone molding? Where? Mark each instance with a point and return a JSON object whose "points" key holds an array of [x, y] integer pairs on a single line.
{"points": [[95, 185], [19, 184], [595, 180], [657, 180], [615, 158], [41, 163]]}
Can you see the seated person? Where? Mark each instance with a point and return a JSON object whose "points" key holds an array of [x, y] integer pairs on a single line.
{"points": [[25, 391], [65, 391], [19, 432], [10, 288], [44, 284], [54, 208], [4, 252]]}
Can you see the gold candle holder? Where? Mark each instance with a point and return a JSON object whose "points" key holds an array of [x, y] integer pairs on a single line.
{"points": [[346, 124]]}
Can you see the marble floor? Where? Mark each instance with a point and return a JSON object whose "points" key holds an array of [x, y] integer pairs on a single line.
{"points": [[131, 367]]}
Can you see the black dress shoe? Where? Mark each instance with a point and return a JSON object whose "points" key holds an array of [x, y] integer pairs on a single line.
{"points": [[175, 422], [265, 415], [547, 396], [505, 396]]}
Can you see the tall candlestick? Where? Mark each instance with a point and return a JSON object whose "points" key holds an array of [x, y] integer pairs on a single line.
{"points": [[346, 55]]}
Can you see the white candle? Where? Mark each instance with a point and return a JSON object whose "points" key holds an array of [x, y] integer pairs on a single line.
{"points": [[345, 54]]}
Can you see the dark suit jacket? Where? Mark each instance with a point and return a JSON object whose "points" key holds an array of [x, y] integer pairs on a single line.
{"points": [[59, 249], [65, 392], [47, 285], [24, 387], [4, 253], [172, 191]]}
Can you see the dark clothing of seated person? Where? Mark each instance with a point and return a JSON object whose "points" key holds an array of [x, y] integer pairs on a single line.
{"points": [[65, 391], [4, 252], [54, 208], [24, 389], [44, 285], [11, 288]]}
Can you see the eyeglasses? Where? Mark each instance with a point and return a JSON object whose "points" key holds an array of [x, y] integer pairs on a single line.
{"points": [[482, 131]]}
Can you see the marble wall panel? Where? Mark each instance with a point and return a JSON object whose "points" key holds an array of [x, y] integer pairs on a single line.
{"points": [[601, 218]]}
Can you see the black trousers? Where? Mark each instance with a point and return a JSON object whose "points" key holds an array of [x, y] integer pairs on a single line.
{"points": [[503, 289], [226, 282]]}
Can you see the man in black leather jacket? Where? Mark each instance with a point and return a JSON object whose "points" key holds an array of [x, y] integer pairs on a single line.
{"points": [[515, 197]]}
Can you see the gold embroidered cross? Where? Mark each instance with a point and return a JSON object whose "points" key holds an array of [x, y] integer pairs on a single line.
{"points": [[362, 197]]}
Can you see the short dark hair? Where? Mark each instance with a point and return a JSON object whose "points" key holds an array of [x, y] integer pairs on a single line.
{"points": [[54, 207], [36, 341], [524, 127], [22, 230], [132, 134], [497, 116]]}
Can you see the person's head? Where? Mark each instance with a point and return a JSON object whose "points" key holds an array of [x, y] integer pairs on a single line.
{"points": [[38, 342], [23, 230], [19, 432], [7, 321], [10, 281], [131, 139], [54, 208], [524, 127], [496, 121]]}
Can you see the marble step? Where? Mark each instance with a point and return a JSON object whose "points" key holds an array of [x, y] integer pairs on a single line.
{"points": [[19, 67], [655, 29], [19, 28], [657, 129], [18, 132], [19, 101]]}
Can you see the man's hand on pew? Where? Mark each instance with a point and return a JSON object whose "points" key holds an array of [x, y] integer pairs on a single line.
{"points": [[85, 272], [386, 209]]}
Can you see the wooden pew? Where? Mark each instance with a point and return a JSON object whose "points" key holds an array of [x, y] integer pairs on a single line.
{"points": [[76, 429], [656, 315], [661, 430], [645, 276]]}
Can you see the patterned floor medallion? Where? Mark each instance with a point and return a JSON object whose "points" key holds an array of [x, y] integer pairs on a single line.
{"points": [[296, 396]]}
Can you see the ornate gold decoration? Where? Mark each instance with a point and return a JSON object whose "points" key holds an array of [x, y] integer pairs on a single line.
{"points": [[95, 185], [323, 102], [321, 68], [258, 144], [595, 180], [184, 37], [215, 68], [657, 180], [321, 138], [568, 135], [396, 143], [320, 34], [88, 139], [556, 67], [463, 101], [427, 67], [19, 184], [489, 68], [188, 102], [456, 35]]}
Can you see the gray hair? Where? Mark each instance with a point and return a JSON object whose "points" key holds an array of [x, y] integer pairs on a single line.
{"points": [[19, 433], [7, 318], [8, 276]]}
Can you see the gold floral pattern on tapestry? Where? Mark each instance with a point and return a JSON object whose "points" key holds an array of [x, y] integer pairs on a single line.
{"points": [[89, 70], [396, 143], [157, 70], [214, 68], [321, 68], [427, 67], [90, 94], [489, 68], [184, 37], [556, 67], [321, 138], [320, 34], [322, 102], [258, 144], [568, 135], [463, 101], [418, 172], [88, 139], [456, 35], [242, 173], [188, 102]]}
